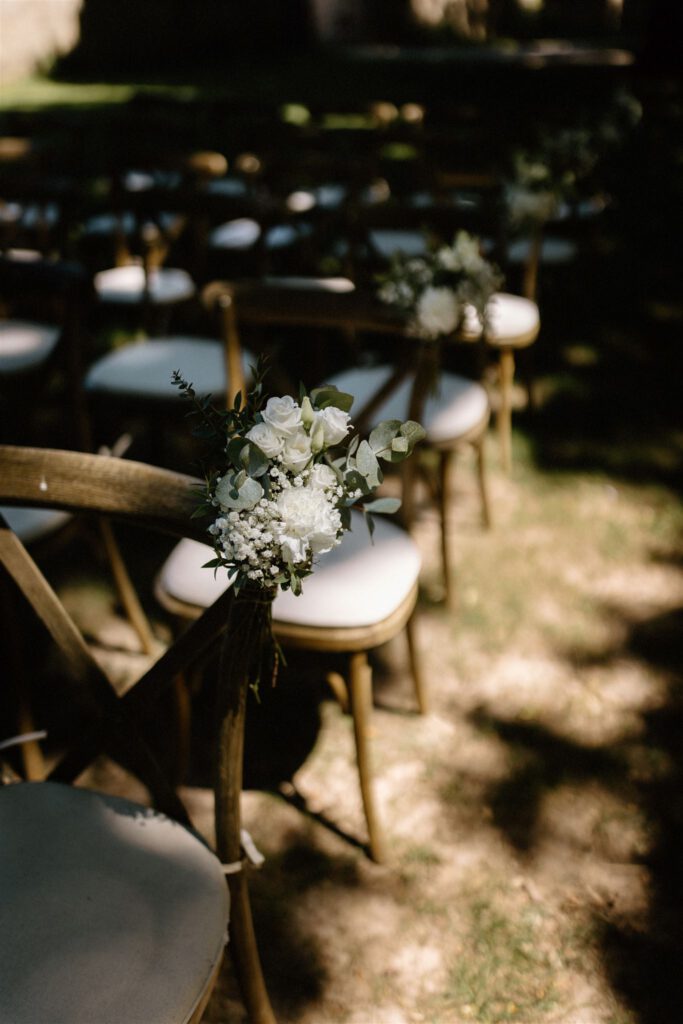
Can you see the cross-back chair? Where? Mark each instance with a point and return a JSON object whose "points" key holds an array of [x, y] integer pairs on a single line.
{"points": [[114, 911], [453, 409], [361, 595], [137, 378]]}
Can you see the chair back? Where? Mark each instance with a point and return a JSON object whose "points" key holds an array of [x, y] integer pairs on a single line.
{"points": [[329, 306], [137, 494]]}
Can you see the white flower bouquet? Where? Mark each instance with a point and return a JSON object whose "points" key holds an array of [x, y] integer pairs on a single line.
{"points": [[282, 477], [553, 172], [440, 288]]}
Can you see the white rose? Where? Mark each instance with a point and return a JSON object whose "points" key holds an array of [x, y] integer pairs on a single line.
{"points": [[322, 476], [335, 424], [268, 440], [283, 415], [438, 312], [296, 453], [310, 523]]}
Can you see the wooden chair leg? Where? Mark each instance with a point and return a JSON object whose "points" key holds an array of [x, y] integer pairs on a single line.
{"points": [[446, 466], [504, 418], [360, 681], [31, 755], [483, 487], [236, 665], [245, 953], [415, 663], [337, 684], [127, 593]]}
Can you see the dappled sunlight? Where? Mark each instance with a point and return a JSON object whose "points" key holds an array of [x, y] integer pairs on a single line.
{"points": [[532, 816]]}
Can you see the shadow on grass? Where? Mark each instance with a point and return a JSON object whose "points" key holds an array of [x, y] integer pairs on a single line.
{"points": [[642, 959]]}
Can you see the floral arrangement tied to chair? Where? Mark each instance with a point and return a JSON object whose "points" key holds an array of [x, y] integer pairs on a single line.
{"points": [[288, 485], [443, 287]]}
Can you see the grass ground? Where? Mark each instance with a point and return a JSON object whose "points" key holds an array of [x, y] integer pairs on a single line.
{"points": [[533, 815]]}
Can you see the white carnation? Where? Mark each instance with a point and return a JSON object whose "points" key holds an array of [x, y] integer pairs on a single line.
{"points": [[438, 312], [310, 523]]}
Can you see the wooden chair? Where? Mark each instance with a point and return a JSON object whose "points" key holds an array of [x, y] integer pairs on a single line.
{"points": [[514, 321], [112, 910], [138, 377], [361, 595], [455, 416]]}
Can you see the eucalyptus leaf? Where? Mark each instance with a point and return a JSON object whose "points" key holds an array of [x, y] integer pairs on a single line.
{"points": [[413, 431], [383, 434], [354, 481], [239, 492], [327, 395], [367, 464], [257, 462], [383, 506], [235, 448]]}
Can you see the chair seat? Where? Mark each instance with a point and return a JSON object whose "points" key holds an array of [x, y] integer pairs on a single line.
{"points": [[513, 321], [456, 409], [312, 284], [126, 222], [388, 241], [145, 368], [241, 233], [322, 197], [356, 584], [282, 236], [32, 524], [111, 912], [25, 345], [126, 285], [555, 252], [227, 186]]}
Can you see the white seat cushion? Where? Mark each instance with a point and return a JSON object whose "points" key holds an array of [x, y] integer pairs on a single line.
{"points": [[330, 196], [300, 201], [554, 251], [389, 241], [146, 368], [25, 345], [126, 285], [513, 320], [111, 912], [358, 583], [241, 233], [313, 284], [228, 186], [108, 223], [31, 524], [281, 236], [458, 406]]}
